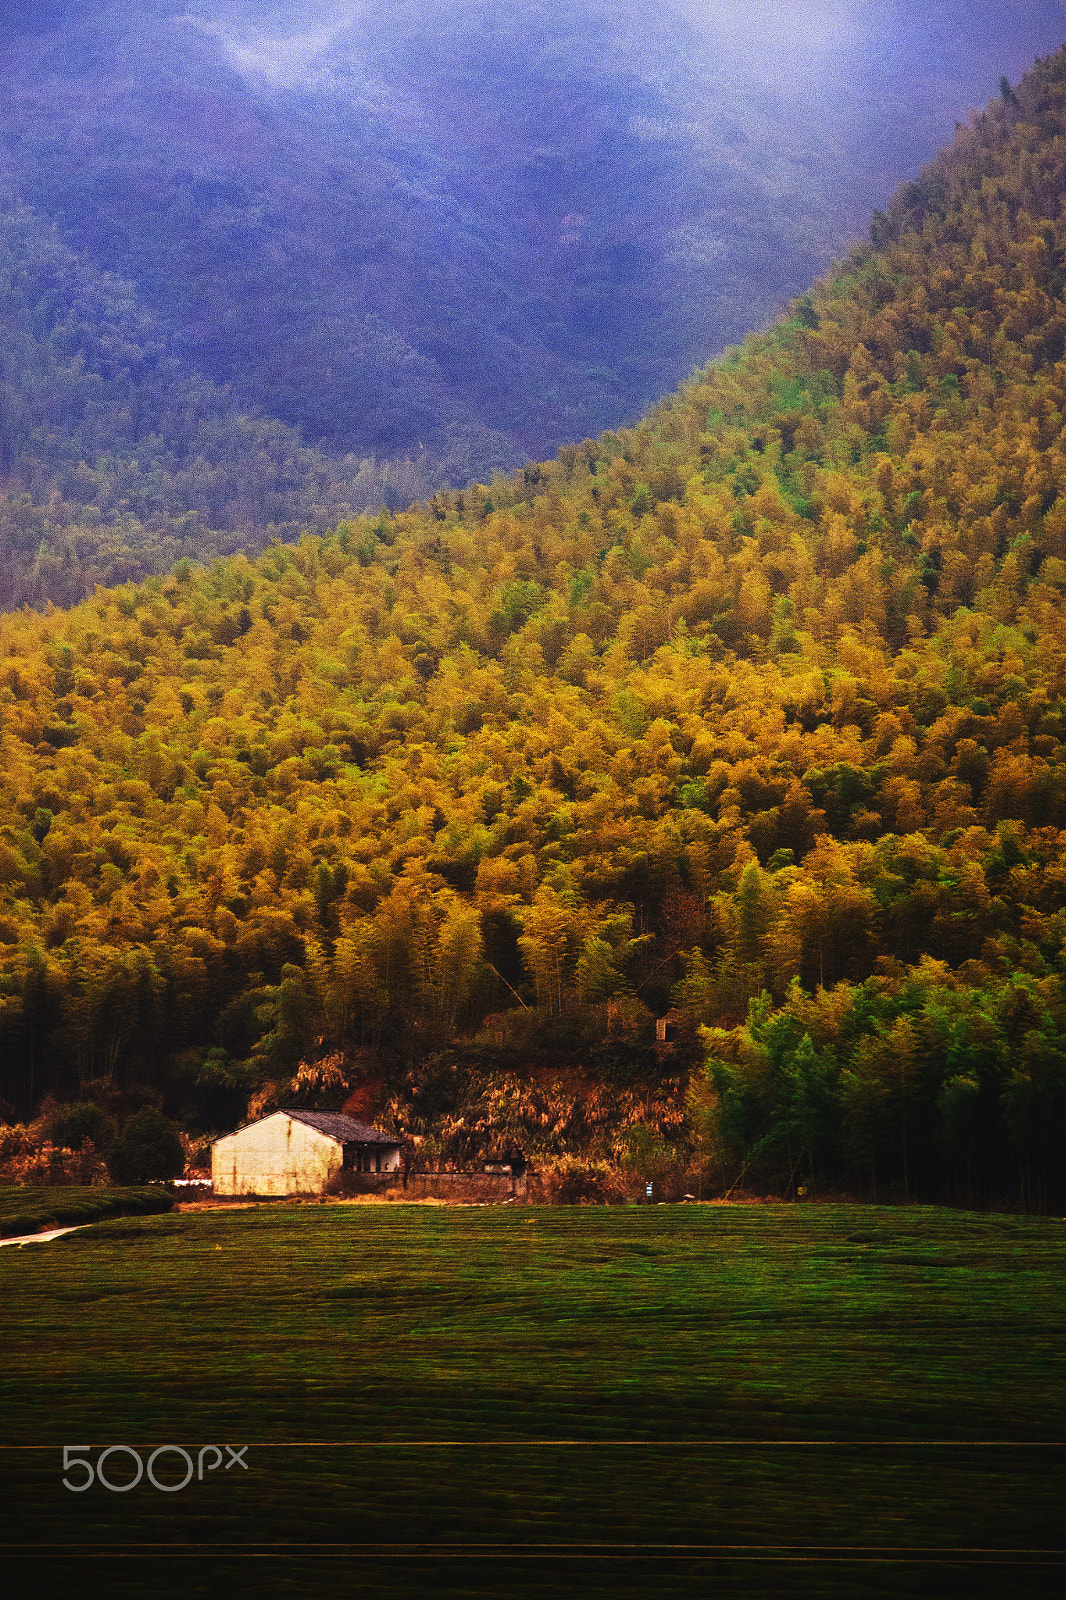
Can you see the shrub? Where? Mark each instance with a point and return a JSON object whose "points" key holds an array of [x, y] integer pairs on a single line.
{"points": [[322, 1085], [76, 1124], [197, 1148], [49, 1165], [570, 1182], [148, 1150], [15, 1140]]}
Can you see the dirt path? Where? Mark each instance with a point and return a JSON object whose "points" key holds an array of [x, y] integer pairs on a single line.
{"points": [[43, 1238], [303, 1200]]}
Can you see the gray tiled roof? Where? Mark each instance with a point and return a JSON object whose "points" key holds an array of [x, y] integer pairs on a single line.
{"points": [[344, 1129]]}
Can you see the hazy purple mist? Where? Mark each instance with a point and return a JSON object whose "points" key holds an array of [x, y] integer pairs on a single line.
{"points": [[477, 228]]}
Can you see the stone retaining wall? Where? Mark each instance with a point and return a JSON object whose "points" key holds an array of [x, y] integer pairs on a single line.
{"points": [[471, 1187]]}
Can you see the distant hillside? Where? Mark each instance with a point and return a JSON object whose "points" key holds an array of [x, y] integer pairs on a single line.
{"points": [[116, 458], [435, 239], [754, 711]]}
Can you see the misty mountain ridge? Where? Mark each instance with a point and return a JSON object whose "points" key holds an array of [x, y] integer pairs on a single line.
{"points": [[433, 242]]}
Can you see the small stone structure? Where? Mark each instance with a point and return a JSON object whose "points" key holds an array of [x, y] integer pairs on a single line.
{"points": [[665, 1028], [298, 1152], [461, 1188]]}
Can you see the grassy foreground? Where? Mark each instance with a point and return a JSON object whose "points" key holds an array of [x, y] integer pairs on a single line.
{"points": [[32, 1210], [833, 1400]]}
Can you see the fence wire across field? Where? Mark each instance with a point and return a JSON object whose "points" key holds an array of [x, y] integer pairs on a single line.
{"points": [[967, 1555], [518, 1442]]}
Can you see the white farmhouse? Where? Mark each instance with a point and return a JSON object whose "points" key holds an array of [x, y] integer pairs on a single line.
{"points": [[297, 1152]]}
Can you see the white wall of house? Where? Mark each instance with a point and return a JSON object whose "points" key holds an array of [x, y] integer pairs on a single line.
{"points": [[275, 1156]]}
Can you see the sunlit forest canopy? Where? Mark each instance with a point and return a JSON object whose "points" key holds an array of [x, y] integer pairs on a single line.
{"points": [[263, 266], [751, 715]]}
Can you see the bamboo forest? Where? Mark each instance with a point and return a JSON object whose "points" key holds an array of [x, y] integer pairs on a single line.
{"points": [[693, 801]]}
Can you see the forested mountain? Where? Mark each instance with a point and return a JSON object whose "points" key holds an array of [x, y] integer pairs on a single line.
{"points": [[754, 711], [433, 239], [119, 459]]}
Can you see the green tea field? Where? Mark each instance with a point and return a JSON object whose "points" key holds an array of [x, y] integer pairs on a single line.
{"points": [[803, 1400]]}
